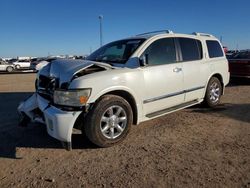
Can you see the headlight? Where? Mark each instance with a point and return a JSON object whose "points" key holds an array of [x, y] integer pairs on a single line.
{"points": [[72, 97]]}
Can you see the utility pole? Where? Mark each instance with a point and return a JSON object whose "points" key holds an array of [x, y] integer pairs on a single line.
{"points": [[100, 18]]}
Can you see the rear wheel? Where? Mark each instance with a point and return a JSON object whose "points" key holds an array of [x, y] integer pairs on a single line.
{"points": [[213, 92], [9, 69], [109, 121]]}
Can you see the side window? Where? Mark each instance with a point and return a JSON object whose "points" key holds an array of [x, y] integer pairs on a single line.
{"points": [[191, 49], [214, 49], [161, 52]]}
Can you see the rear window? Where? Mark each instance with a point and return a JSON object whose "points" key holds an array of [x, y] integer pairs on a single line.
{"points": [[191, 49], [214, 49]]}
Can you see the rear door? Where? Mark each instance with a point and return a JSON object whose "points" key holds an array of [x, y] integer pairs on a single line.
{"points": [[194, 68], [163, 77]]}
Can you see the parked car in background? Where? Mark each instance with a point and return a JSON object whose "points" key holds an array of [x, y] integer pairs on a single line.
{"points": [[22, 64], [35, 62], [230, 53], [12, 60], [239, 64], [225, 49], [5, 66]]}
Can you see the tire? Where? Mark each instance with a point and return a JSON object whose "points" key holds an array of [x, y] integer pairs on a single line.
{"points": [[109, 121], [9, 69], [213, 93], [17, 66]]}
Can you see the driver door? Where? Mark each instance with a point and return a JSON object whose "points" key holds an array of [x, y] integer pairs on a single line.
{"points": [[163, 77]]}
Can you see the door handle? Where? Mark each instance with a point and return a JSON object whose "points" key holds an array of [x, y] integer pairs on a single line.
{"points": [[177, 69]]}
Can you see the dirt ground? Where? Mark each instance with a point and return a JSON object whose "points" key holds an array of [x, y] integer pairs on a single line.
{"points": [[195, 147]]}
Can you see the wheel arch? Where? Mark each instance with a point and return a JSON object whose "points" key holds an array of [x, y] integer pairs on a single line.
{"points": [[9, 67], [122, 92], [219, 76], [129, 98]]}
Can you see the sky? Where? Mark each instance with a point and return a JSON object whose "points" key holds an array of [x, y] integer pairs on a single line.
{"points": [[54, 27]]}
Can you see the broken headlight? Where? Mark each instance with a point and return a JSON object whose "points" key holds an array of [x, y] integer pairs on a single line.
{"points": [[76, 98]]}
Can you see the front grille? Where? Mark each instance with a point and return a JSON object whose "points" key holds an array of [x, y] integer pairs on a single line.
{"points": [[45, 82], [47, 86]]}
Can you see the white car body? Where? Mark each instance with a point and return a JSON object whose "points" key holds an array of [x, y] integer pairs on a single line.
{"points": [[4, 66], [155, 90], [22, 64]]}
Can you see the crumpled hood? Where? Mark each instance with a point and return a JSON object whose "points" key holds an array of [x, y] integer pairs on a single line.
{"points": [[65, 69]]}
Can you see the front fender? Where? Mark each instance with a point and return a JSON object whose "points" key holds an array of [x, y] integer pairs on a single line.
{"points": [[136, 98]]}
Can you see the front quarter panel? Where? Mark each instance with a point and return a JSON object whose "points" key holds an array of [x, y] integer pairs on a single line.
{"points": [[125, 79]]}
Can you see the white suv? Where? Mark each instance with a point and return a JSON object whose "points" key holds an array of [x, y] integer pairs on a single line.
{"points": [[22, 64], [127, 82]]}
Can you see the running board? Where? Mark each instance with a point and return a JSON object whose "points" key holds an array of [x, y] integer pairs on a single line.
{"points": [[186, 104]]}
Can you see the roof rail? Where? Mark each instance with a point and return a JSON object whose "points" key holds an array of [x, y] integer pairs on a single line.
{"points": [[160, 31], [202, 34]]}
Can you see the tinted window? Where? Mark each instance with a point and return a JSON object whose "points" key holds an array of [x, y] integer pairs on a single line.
{"points": [[191, 49], [214, 49], [35, 59], [161, 52], [23, 60]]}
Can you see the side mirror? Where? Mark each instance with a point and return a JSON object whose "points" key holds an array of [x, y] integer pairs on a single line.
{"points": [[144, 60]]}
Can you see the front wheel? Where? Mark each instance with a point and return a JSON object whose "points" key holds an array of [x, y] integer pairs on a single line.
{"points": [[9, 69], [17, 67], [213, 92], [109, 121]]}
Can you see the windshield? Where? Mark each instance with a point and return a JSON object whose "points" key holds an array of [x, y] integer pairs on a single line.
{"points": [[116, 52]]}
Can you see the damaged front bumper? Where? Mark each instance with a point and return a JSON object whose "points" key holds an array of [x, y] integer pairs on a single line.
{"points": [[59, 123]]}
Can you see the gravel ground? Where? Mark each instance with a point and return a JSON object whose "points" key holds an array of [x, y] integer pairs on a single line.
{"points": [[195, 147]]}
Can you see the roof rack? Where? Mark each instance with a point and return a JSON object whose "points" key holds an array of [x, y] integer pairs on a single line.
{"points": [[160, 31], [202, 34]]}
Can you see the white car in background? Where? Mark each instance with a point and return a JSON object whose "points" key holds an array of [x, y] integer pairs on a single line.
{"points": [[22, 64], [5, 66]]}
